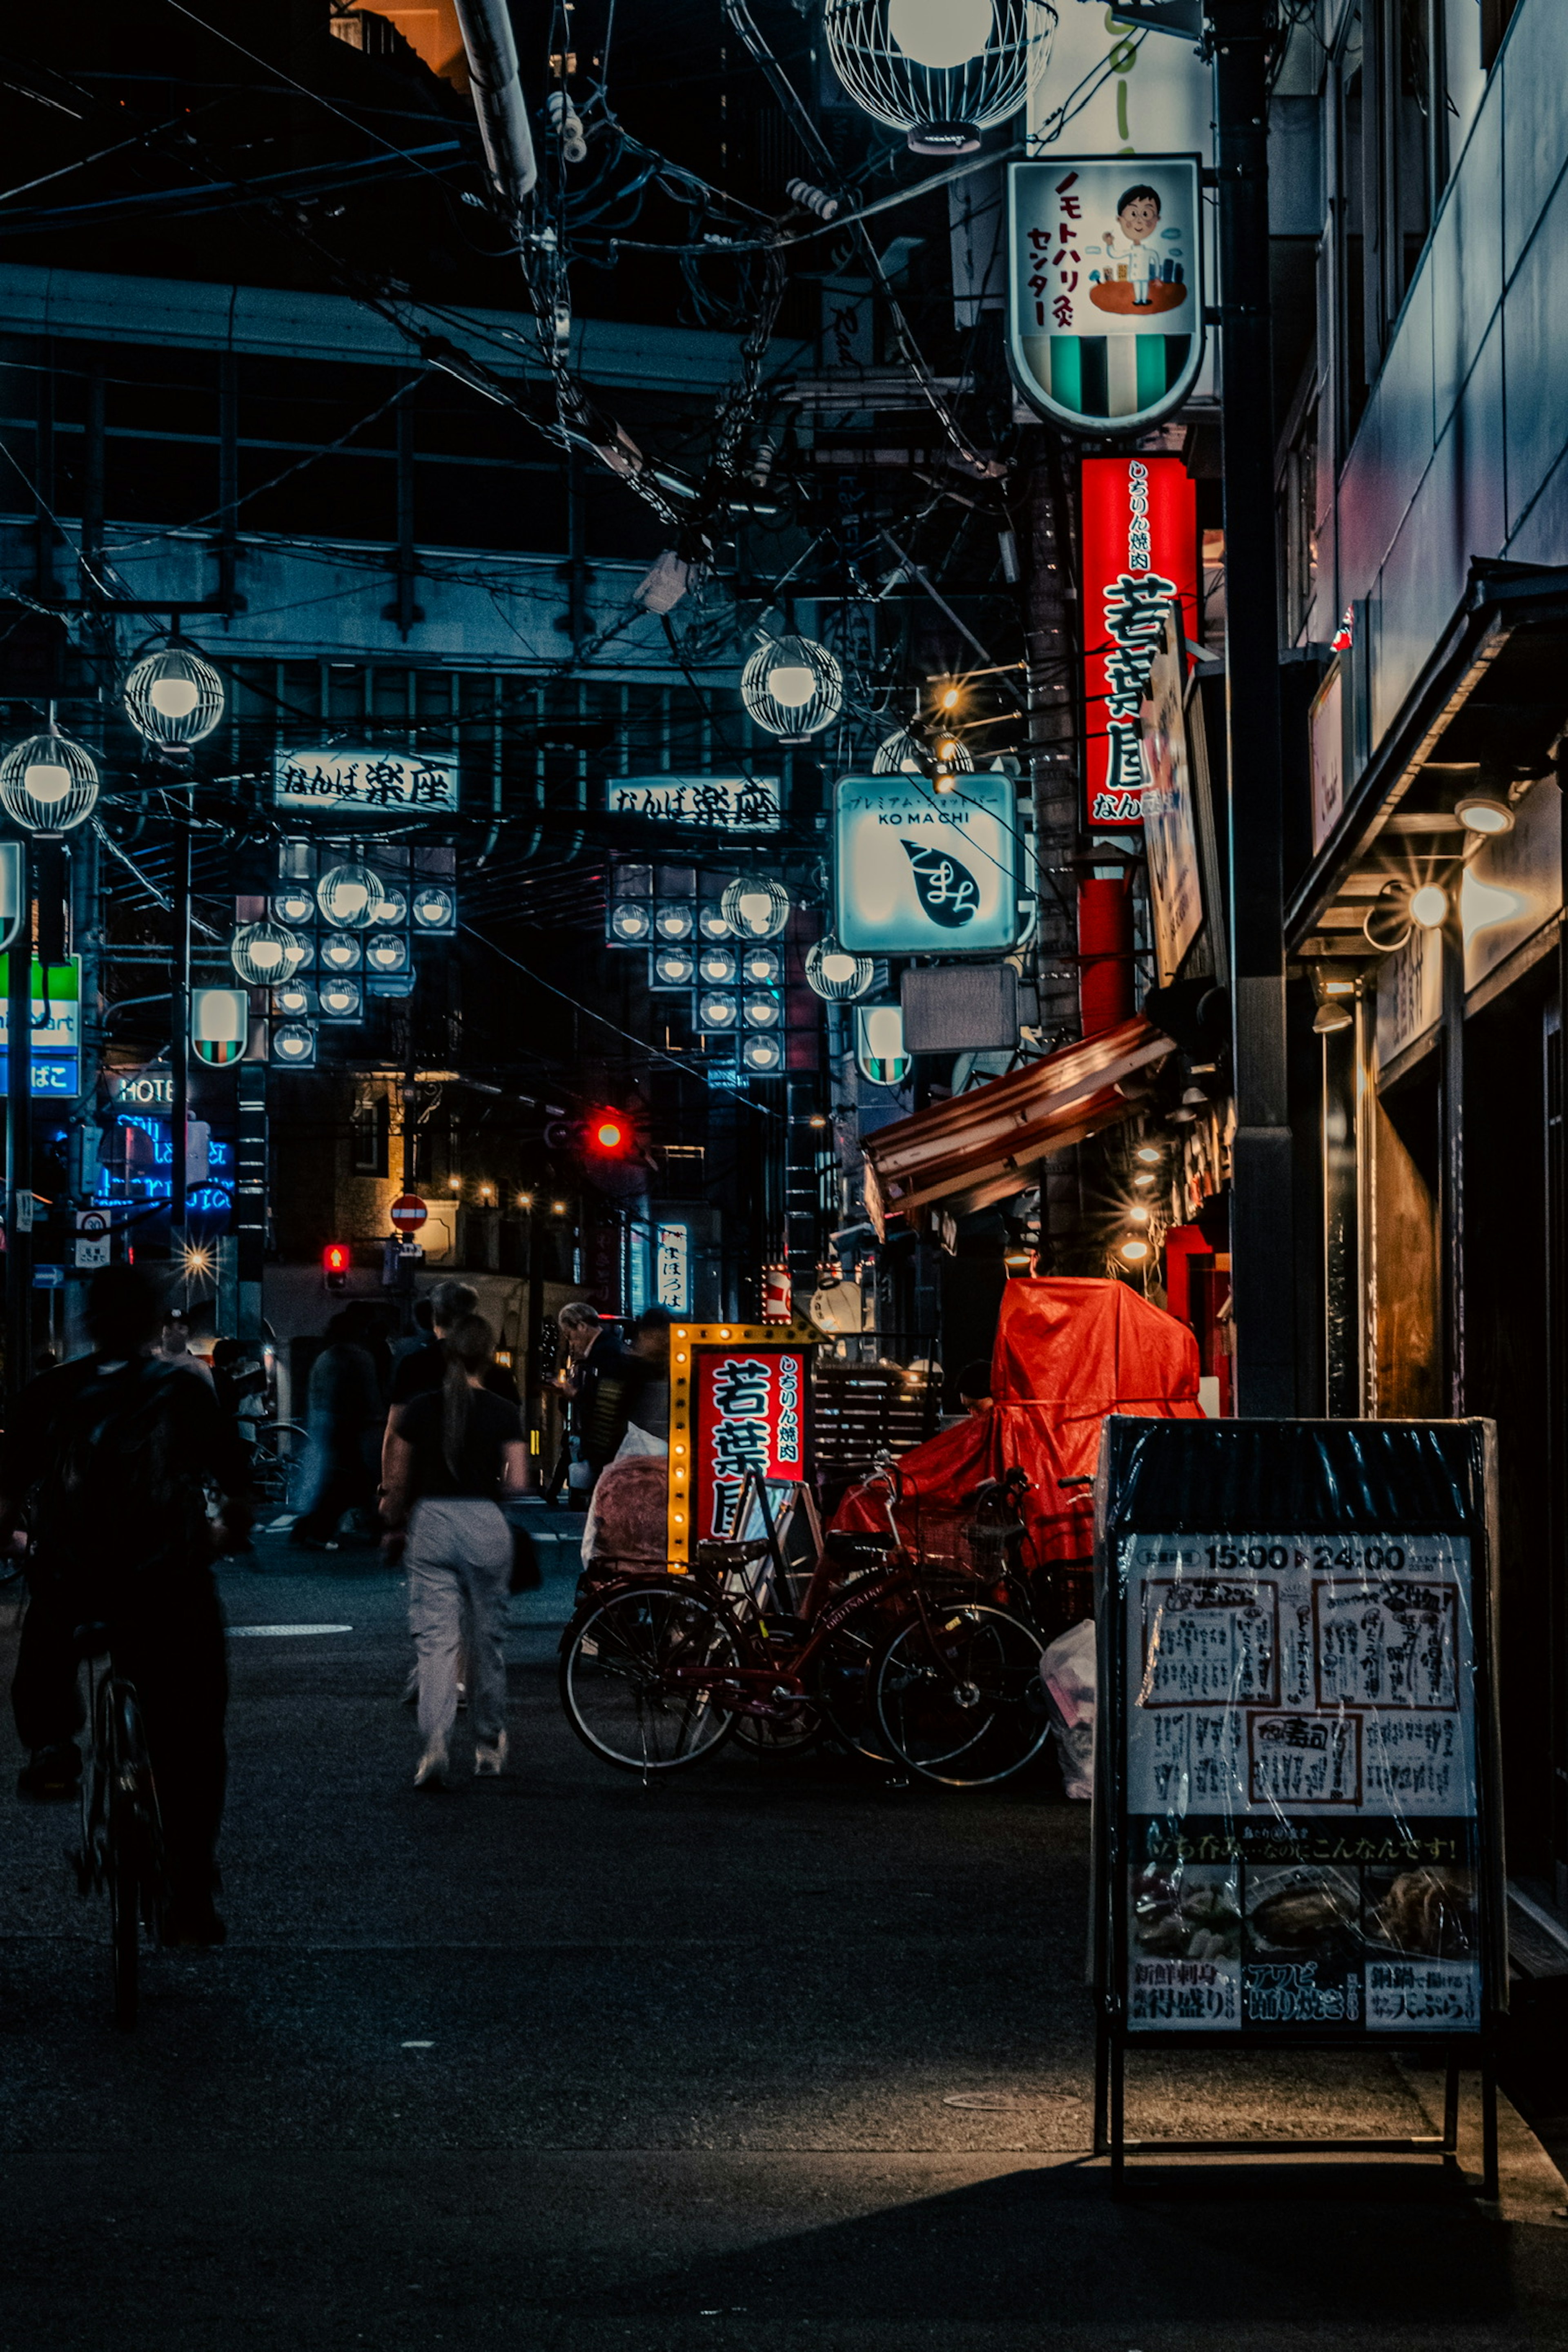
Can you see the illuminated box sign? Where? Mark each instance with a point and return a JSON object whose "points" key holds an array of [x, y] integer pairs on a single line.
{"points": [[739, 1402], [672, 1268], [919, 872], [56, 1060], [1105, 301], [335, 781], [1140, 551], [726, 803]]}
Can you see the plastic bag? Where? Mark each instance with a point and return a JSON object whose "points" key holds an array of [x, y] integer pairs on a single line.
{"points": [[1067, 1672]]}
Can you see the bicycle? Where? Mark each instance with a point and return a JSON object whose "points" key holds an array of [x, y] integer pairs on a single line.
{"points": [[122, 1849], [278, 1458]]}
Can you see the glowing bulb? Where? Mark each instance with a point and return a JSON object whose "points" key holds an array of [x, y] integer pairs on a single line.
{"points": [[1141, 1182], [838, 968], [756, 906], [947, 749], [946, 784], [174, 697], [1429, 905], [454, 1183], [558, 1207], [267, 953], [1139, 1213], [1134, 1251], [1149, 1153], [792, 685], [48, 782], [1484, 813], [525, 1200], [940, 34], [948, 698]]}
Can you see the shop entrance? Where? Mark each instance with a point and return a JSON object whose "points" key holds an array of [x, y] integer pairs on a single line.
{"points": [[1407, 1324]]}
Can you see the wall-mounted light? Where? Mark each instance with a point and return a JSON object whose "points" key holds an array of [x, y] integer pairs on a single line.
{"points": [[1484, 813], [1150, 1154], [1133, 1250], [1429, 905]]}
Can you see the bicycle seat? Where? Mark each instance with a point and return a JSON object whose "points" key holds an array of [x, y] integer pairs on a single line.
{"points": [[851, 1548]]}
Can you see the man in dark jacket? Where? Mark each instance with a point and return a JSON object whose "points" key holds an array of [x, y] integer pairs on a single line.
{"points": [[107, 1461]]}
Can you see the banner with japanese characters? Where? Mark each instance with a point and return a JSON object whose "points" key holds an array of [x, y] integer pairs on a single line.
{"points": [[334, 781], [1140, 556], [739, 1407], [1105, 297], [1302, 1832]]}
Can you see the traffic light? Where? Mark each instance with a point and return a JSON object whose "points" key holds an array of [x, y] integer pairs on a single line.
{"points": [[335, 1266], [609, 1134]]}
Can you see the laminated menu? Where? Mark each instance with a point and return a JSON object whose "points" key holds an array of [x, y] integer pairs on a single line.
{"points": [[1300, 1781]]}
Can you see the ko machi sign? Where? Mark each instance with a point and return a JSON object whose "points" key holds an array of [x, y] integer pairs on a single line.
{"points": [[724, 804], [1105, 296], [919, 872], [335, 781], [1139, 555], [738, 1405]]}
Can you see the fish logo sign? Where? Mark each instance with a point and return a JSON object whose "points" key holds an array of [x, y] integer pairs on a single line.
{"points": [[948, 891]]}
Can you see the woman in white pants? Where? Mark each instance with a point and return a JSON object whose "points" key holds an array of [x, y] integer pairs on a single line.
{"points": [[451, 1454]]}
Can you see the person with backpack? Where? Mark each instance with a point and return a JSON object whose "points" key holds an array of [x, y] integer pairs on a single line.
{"points": [[451, 1454], [108, 1464]]}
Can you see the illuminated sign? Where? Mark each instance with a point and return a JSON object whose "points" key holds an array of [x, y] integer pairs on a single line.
{"points": [[1170, 817], [672, 1268], [919, 872], [55, 1056], [881, 1054], [1140, 551], [1105, 297], [727, 804], [220, 1024], [142, 1090], [333, 780], [739, 1402]]}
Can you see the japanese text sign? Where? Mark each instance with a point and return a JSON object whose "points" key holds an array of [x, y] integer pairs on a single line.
{"points": [[1140, 555], [1105, 303], [739, 1398], [333, 781], [1304, 1793], [726, 803], [919, 872]]}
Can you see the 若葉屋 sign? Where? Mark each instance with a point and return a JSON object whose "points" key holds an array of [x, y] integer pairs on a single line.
{"points": [[335, 781], [1140, 556], [1105, 299], [919, 872], [739, 1407]]}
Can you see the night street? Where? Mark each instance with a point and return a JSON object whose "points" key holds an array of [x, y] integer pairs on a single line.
{"points": [[764, 2057]]}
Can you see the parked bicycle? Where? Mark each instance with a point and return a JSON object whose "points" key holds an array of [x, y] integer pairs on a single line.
{"points": [[122, 1849]]}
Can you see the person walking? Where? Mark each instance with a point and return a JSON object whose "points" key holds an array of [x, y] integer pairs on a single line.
{"points": [[343, 1413], [451, 1454], [107, 1463]]}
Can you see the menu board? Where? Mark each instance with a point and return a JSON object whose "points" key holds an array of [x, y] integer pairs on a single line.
{"points": [[1300, 1783]]}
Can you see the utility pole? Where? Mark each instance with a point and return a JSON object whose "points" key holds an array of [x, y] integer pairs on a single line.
{"points": [[1262, 1253], [180, 1045], [20, 1141]]}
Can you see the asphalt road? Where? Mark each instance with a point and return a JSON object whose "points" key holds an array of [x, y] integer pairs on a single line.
{"points": [[764, 2057]]}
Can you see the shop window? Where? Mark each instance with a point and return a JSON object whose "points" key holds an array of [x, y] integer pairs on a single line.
{"points": [[1394, 144], [372, 1132]]}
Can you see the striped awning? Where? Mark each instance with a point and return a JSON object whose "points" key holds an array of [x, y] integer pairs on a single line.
{"points": [[986, 1145]]}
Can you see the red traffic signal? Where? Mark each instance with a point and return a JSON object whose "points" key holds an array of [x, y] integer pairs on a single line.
{"points": [[335, 1266], [609, 1133]]}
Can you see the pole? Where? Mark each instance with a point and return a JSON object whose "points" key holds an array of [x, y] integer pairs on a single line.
{"points": [[179, 1042], [1262, 1256], [19, 1142]]}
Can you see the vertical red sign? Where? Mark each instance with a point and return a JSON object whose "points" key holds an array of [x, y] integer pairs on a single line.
{"points": [[749, 1416], [1139, 550]]}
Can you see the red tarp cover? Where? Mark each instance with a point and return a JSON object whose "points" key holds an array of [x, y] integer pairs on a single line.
{"points": [[1068, 1352]]}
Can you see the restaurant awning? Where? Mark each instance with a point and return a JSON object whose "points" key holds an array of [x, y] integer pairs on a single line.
{"points": [[984, 1146]]}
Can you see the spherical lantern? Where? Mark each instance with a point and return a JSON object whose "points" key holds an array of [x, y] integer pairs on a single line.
{"points": [[338, 952], [49, 783], [265, 954], [174, 698], [763, 1053], [762, 1010], [793, 687], [295, 1042], [755, 907], [762, 967], [942, 71], [350, 898], [904, 754], [836, 974], [716, 967], [294, 903], [393, 904]]}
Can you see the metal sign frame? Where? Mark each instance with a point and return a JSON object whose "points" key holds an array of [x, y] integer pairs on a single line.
{"points": [[691, 1346], [1351, 1492]]}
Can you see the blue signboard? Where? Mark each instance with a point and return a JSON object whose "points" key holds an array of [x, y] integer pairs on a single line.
{"points": [[922, 872], [53, 1074]]}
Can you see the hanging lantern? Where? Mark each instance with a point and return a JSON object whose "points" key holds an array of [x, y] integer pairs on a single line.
{"points": [[763, 1053], [338, 952], [904, 754], [836, 974], [673, 967], [393, 905], [173, 699], [793, 687], [762, 1010], [942, 71], [755, 907], [265, 954], [716, 967], [49, 785], [295, 1042], [340, 1000], [762, 967], [348, 897], [294, 903], [434, 908], [387, 951]]}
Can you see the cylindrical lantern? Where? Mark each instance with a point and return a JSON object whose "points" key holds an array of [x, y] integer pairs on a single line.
{"points": [[265, 953], [348, 897], [756, 907], [942, 71], [49, 785], [174, 698], [220, 1024], [836, 974], [793, 687]]}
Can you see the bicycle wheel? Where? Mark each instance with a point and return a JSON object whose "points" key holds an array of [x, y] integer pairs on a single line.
{"points": [[959, 1695], [844, 1670], [797, 1726], [624, 1669]]}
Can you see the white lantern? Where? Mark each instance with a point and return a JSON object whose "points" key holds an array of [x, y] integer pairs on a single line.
{"points": [[904, 754], [49, 785], [265, 954], [295, 1042], [350, 898], [793, 687], [756, 907], [293, 904], [942, 71], [716, 967], [836, 974], [761, 1054], [338, 952], [173, 699]]}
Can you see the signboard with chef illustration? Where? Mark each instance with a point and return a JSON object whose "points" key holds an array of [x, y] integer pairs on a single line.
{"points": [[1301, 1722], [922, 872]]}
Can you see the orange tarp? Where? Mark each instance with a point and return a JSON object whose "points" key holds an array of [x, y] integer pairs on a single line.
{"points": [[1068, 1352]]}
